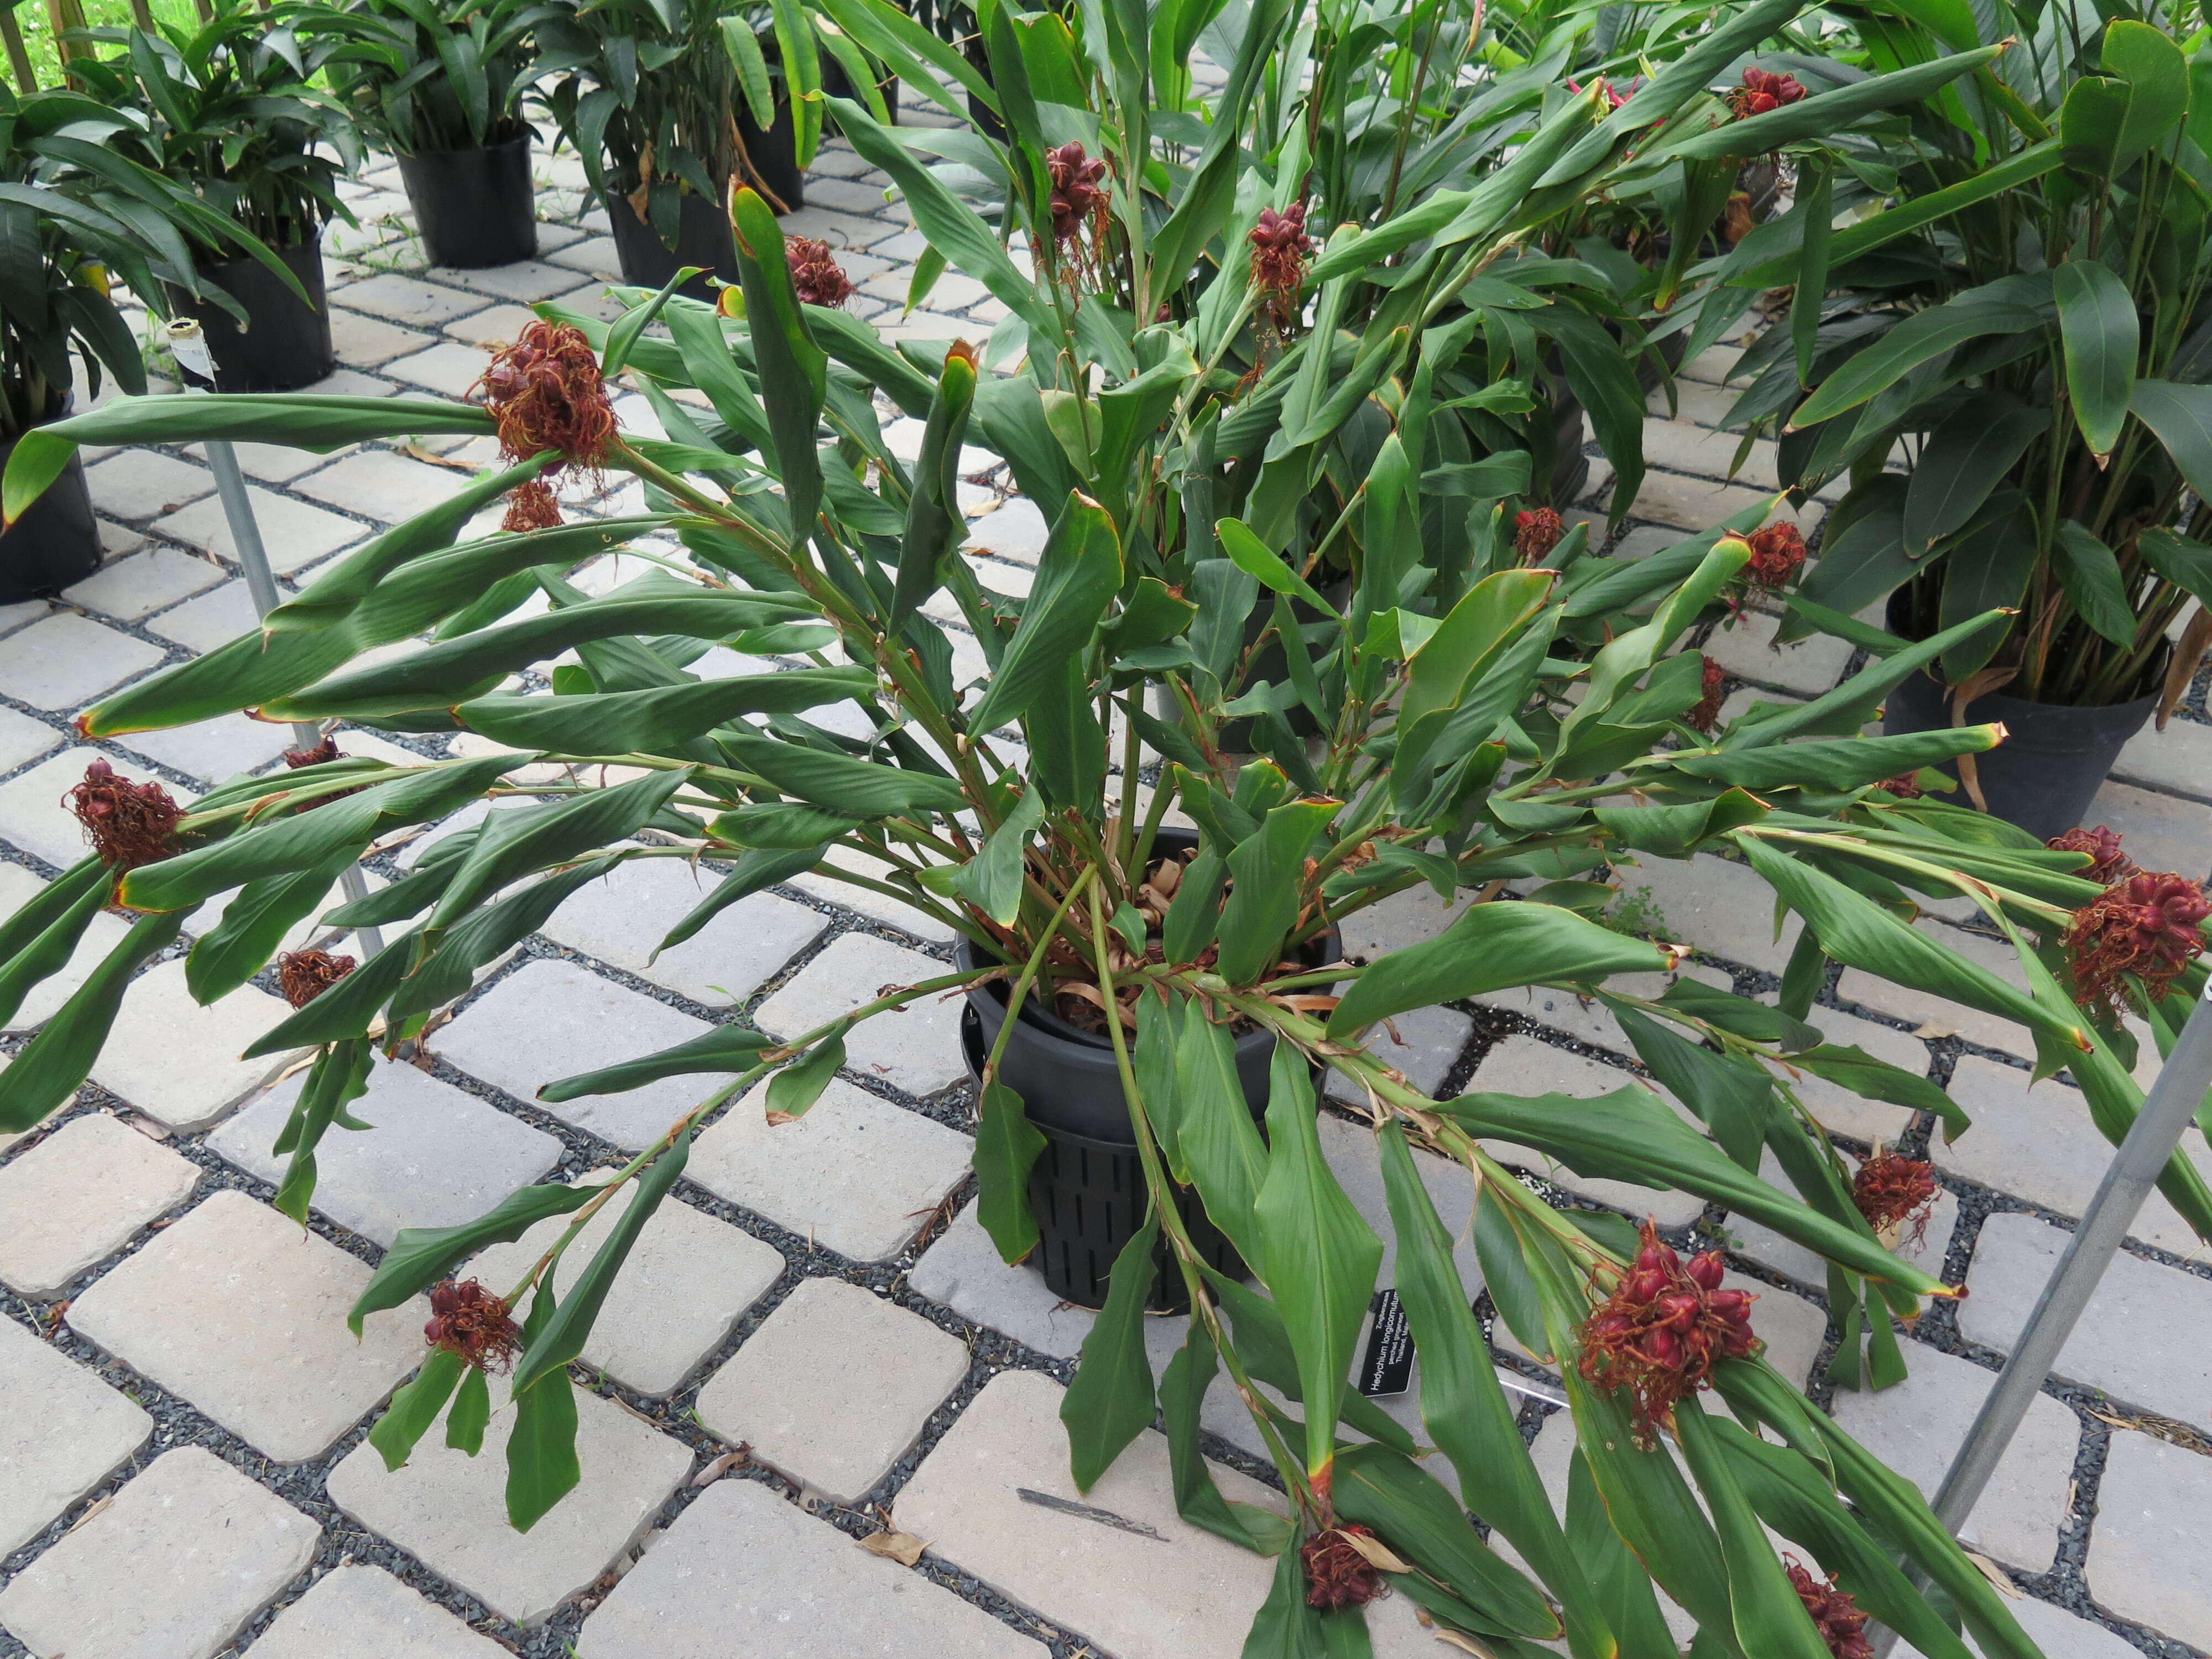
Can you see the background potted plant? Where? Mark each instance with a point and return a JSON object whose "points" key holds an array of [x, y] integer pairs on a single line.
{"points": [[80, 217], [230, 110], [2024, 322], [441, 86]]}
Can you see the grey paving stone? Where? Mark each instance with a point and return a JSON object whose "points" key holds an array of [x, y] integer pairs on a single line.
{"points": [[500, 326], [621, 919], [1015, 530], [2141, 1339], [2177, 760], [2057, 1633], [595, 256], [242, 1313], [1787, 1257], [295, 533], [175, 1566], [277, 462], [382, 484], [553, 1019], [1917, 1426], [17, 886], [364, 1612], [449, 366], [1693, 504], [1522, 1065], [916, 1048], [1424, 1044], [525, 282], [1591, 1021], [1839, 1111], [2146, 1554], [136, 586], [875, 1373], [146, 483], [1393, 923], [14, 618], [742, 1557], [22, 739], [213, 619], [1680, 447], [2039, 1143], [1694, 403], [176, 1061], [687, 1280], [901, 915], [67, 660], [404, 300], [438, 1155], [31, 816], [364, 342], [1746, 650], [1721, 908], [450, 1510], [213, 750], [92, 1184], [856, 1175], [63, 1433], [2162, 833]]}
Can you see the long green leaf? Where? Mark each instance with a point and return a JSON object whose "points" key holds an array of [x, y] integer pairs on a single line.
{"points": [[724, 1048], [1110, 1402], [48, 1070], [416, 1407], [1077, 576], [421, 1256], [541, 1467], [2097, 323]]}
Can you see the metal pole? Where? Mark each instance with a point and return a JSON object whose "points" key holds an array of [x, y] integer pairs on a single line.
{"points": [[2151, 1140], [190, 346]]}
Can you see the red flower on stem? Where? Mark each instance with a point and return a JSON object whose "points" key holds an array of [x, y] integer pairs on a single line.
{"points": [[1078, 193], [1895, 1192], [468, 1320], [2107, 863], [303, 976], [1706, 713], [1536, 531], [2147, 925], [1761, 92], [1834, 1614], [815, 272], [1337, 1574], [1281, 249], [1777, 551], [127, 823], [545, 393], [531, 505], [1664, 1328]]}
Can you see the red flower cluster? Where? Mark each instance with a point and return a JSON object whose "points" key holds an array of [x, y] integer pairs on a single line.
{"points": [[1665, 1326], [1615, 98], [1280, 248], [127, 823], [1891, 1191], [545, 393], [1834, 1614], [2107, 863], [1337, 1574], [1078, 193], [1761, 92], [2147, 925], [1706, 714], [1906, 786], [1536, 531], [468, 1320], [321, 755], [531, 505], [1776, 553], [303, 976], [815, 272]]}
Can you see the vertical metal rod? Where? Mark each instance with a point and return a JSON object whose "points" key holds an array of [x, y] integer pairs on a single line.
{"points": [[190, 349], [2151, 1140]]}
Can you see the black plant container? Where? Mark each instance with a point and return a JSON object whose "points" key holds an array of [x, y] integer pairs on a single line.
{"points": [[474, 207], [702, 239], [55, 544], [769, 162], [286, 344], [2055, 756], [1087, 1186]]}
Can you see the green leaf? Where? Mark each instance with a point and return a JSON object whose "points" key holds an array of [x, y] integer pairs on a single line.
{"points": [[48, 1070], [1770, 1621], [1490, 947], [1257, 560], [1078, 576], [743, 48], [1834, 763], [724, 1048], [1732, 1095], [934, 526], [2090, 576], [1214, 1131], [793, 1092], [339, 1076], [658, 719], [793, 370], [1877, 1079], [2097, 322], [415, 1407], [992, 880], [49, 929], [1264, 900], [1006, 1145], [1318, 1256], [1110, 1402], [1924, 335], [1194, 917], [471, 1413], [541, 1450], [849, 785], [1967, 457], [1825, 113], [421, 1256], [755, 872], [1198, 1500], [2180, 416]]}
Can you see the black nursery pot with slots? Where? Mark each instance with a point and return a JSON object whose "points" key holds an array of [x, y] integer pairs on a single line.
{"points": [[476, 208]]}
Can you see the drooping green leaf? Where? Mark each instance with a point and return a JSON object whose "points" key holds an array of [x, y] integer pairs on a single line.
{"points": [[1770, 1619], [724, 1048], [2181, 417], [1077, 576], [471, 1415], [1006, 1145], [47, 930], [542, 1467], [1198, 1500], [1110, 1402], [1264, 900], [933, 522], [421, 1256], [793, 1092], [656, 720], [2098, 324], [992, 880], [48, 1069], [2090, 575], [416, 1406]]}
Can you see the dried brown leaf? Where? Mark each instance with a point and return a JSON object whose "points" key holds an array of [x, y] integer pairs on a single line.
{"points": [[2196, 641], [902, 1548]]}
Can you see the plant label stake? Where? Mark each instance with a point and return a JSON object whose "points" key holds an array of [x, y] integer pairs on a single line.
{"points": [[2170, 1108], [191, 348]]}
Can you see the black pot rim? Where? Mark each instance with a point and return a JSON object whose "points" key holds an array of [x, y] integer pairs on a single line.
{"points": [[523, 137], [2154, 671], [281, 249]]}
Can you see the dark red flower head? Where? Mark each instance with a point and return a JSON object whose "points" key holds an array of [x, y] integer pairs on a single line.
{"points": [[1906, 786], [1536, 531], [468, 1320], [321, 755], [2107, 863], [127, 823], [1280, 248], [531, 505], [1664, 1328], [2147, 925], [1761, 92], [1834, 1614], [303, 976], [1895, 1192], [1776, 552], [1337, 1574], [1078, 193], [545, 393], [815, 272], [1707, 713]]}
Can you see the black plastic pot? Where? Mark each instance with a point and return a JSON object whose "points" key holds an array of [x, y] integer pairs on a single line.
{"points": [[474, 207], [1087, 1186], [286, 344], [2055, 756], [55, 544], [769, 159], [702, 239]]}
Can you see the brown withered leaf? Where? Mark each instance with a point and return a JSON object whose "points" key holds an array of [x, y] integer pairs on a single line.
{"points": [[722, 1465], [1379, 1555], [902, 1548], [2196, 641]]}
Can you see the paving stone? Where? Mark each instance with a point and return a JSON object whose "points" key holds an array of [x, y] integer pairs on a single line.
{"points": [[1522, 1065], [22, 739], [1393, 923], [1589, 1020], [855, 1175], [1424, 1043], [2039, 1143], [177, 1061], [623, 917], [488, 329], [1839, 1111], [2177, 760], [744, 1559], [276, 463], [554, 1020], [1694, 504], [2141, 1339], [1792, 1260], [404, 300], [595, 256], [144, 483], [687, 1280], [1681, 447], [881, 907], [67, 660], [382, 484], [17, 887], [916, 1049], [449, 1510], [213, 750], [129, 588], [1015, 531], [1746, 650], [364, 342], [213, 619], [2060, 1634], [92, 1184], [449, 366], [14, 618], [1694, 403], [2162, 833], [2146, 1555], [1917, 1426], [32, 815], [243, 1314], [64, 1432], [364, 1612], [1714, 365], [175, 1566], [294, 533], [1721, 908], [526, 282], [874, 1371], [437, 1157]]}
